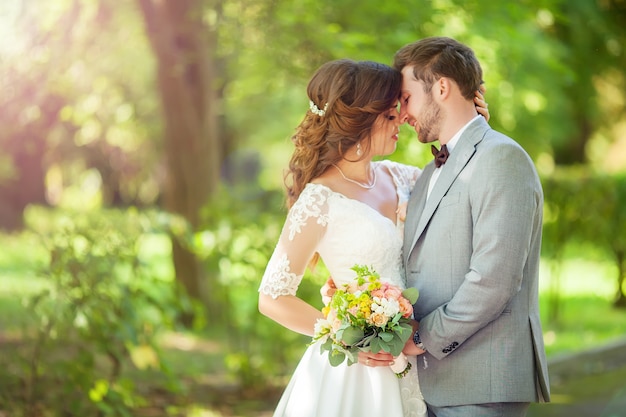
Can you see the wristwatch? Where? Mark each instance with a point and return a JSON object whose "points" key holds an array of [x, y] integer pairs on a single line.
{"points": [[418, 341]]}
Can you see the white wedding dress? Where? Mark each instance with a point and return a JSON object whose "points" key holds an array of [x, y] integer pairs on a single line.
{"points": [[344, 232]]}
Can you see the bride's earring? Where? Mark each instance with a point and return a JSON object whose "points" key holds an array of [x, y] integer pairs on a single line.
{"points": [[359, 152]]}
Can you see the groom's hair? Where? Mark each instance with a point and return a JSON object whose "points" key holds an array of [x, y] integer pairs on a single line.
{"points": [[436, 57]]}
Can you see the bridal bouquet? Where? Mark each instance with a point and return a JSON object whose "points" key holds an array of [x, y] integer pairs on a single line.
{"points": [[366, 315]]}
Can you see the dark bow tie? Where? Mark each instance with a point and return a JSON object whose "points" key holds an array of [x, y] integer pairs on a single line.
{"points": [[441, 156]]}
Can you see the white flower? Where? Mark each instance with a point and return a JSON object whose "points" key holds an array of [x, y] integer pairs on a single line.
{"points": [[385, 306], [321, 326], [322, 330]]}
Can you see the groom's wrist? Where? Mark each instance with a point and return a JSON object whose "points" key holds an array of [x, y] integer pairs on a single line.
{"points": [[417, 341]]}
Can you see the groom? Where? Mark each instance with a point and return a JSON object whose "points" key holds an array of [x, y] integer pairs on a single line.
{"points": [[472, 245]]}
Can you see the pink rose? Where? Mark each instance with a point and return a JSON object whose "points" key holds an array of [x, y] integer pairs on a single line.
{"points": [[393, 293], [380, 293], [405, 307]]}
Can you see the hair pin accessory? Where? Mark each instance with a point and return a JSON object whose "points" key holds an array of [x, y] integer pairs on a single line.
{"points": [[316, 110]]}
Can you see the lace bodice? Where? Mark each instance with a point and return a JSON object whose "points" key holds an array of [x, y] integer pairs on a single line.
{"points": [[344, 232]]}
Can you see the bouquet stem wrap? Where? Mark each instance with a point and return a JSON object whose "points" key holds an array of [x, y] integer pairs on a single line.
{"points": [[400, 363]]}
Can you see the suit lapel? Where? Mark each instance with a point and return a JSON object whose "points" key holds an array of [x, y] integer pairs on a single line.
{"points": [[416, 206], [463, 152]]}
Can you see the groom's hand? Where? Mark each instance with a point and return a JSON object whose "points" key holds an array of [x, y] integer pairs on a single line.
{"points": [[410, 348]]}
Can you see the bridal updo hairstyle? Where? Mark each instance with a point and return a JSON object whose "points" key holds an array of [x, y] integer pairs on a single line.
{"points": [[353, 95]]}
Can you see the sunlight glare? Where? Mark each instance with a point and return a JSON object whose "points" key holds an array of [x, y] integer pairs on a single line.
{"points": [[9, 40]]}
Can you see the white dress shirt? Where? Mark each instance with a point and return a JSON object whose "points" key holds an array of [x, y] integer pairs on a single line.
{"points": [[450, 145]]}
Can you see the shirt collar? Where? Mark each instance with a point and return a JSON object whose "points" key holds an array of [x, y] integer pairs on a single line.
{"points": [[452, 143]]}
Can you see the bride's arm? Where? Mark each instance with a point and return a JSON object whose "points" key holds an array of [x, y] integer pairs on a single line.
{"points": [[291, 312], [304, 228], [277, 293]]}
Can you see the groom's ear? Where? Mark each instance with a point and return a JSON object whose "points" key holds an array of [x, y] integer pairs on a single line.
{"points": [[443, 88]]}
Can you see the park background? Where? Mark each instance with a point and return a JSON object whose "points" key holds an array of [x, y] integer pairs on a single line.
{"points": [[143, 144]]}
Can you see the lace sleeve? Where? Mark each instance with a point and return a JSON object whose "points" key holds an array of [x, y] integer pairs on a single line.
{"points": [[304, 228], [404, 176]]}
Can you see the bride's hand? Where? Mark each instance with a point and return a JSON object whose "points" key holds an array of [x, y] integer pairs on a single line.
{"points": [[482, 107], [375, 359], [327, 290]]}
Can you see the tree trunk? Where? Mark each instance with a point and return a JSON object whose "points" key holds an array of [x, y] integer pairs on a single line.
{"points": [[25, 147], [186, 78]]}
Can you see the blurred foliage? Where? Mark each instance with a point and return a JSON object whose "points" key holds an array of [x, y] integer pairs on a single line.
{"points": [[588, 208], [99, 312], [74, 87]]}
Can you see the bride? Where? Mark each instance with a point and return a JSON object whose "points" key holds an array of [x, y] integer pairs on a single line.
{"points": [[346, 209]]}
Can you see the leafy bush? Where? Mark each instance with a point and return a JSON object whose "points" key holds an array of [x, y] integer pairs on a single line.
{"points": [[98, 315]]}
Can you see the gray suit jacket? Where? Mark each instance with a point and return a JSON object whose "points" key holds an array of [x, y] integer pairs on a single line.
{"points": [[472, 250]]}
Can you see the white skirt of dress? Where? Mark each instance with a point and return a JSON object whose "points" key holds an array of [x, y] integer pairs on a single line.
{"points": [[318, 389]]}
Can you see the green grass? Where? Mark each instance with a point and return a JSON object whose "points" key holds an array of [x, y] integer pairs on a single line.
{"points": [[582, 315], [22, 259]]}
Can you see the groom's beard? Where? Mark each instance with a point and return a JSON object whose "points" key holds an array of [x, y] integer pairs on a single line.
{"points": [[429, 122]]}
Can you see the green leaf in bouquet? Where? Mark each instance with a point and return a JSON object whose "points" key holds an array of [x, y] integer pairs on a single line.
{"points": [[395, 346], [375, 345], [351, 335], [340, 330], [404, 331], [411, 294], [386, 337], [336, 357], [326, 346], [363, 271], [352, 356], [385, 347]]}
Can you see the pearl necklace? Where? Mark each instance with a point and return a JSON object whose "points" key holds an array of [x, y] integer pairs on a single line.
{"points": [[367, 187]]}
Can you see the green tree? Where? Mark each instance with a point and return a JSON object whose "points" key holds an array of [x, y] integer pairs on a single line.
{"points": [[591, 33], [187, 77]]}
